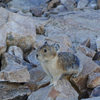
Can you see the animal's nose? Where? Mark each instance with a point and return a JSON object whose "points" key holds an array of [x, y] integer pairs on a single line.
{"points": [[37, 55]]}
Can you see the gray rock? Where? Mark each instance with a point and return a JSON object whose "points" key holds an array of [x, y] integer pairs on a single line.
{"points": [[13, 91], [11, 59], [16, 51], [82, 3], [15, 73], [68, 4], [98, 43], [95, 92]]}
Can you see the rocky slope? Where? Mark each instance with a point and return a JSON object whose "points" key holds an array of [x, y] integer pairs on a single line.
{"points": [[25, 25]]}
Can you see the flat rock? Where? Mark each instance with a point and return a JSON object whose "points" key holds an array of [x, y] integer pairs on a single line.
{"points": [[87, 51], [94, 79], [15, 73], [88, 67], [62, 91], [13, 91], [16, 51], [95, 92]]}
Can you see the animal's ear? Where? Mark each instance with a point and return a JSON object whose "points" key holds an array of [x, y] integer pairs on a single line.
{"points": [[45, 43], [57, 46]]}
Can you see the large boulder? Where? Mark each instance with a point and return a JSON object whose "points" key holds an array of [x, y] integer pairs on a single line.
{"points": [[16, 30], [62, 91]]}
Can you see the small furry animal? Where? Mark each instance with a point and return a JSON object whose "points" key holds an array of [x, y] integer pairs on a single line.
{"points": [[57, 64]]}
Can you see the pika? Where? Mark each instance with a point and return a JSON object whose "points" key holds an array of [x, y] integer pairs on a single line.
{"points": [[57, 64]]}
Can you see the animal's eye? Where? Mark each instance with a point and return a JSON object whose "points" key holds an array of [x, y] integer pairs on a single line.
{"points": [[45, 50]]}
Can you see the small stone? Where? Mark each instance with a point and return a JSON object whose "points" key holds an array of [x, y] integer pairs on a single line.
{"points": [[16, 51], [98, 43], [82, 3], [40, 30], [95, 92], [87, 51], [86, 43]]}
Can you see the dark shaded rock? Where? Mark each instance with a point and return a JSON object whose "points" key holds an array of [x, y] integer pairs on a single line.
{"points": [[97, 56]]}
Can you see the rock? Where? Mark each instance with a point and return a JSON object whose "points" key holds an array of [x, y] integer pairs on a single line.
{"points": [[95, 92], [98, 62], [60, 8], [16, 30], [94, 98], [25, 5], [13, 91], [98, 43], [69, 4], [59, 92], [82, 3], [88, 67], [94, 79], [40, 94], [97, 56], [88, 52], [15, 73], [87, 43], [53, 4], [16, 51], [36, 11], [98, 3], [62, 39], [40, 30], [93, 4], [32, 58], [8, 59]]}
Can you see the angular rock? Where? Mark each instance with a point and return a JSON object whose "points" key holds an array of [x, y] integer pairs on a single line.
{"points": [[98, 43], [16, 51], [62, 91], [94, 79], [94, 98], [8, 59], [40, 94], [88, 52], [32, 57], [39, 77], [98, 3], [16, 30], [97, 56], [15, 73], [95, 92], [13, 91], [86, 43], [68, 4], [88, 67], [82, 3]]}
